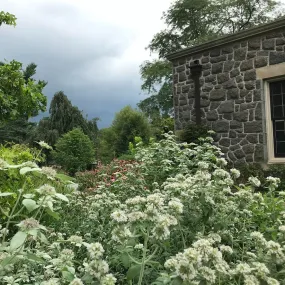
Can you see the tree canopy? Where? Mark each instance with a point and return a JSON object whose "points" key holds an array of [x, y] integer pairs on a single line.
{"points": [[20, 95]]}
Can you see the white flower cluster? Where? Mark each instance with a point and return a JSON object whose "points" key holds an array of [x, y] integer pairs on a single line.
{"points": [[155, 209]]}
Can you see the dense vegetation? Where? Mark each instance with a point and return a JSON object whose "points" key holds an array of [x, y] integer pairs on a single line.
{"points": [[160, 209]]}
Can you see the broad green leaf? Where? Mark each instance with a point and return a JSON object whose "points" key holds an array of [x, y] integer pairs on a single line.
{"points": [[125, 260], [53, 214], [8, 260], [67, 276], [61, 197], [43, 238], [18, 240], [34, 257], [134, 272], [30, 204]]}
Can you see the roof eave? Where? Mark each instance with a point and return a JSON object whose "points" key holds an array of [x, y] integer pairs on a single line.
{"points": [[255, 31]]}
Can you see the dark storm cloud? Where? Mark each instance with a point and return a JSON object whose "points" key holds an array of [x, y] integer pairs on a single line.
{"points": [[72, 56]]}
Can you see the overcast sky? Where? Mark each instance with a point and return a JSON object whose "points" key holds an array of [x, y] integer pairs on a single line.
{"points": [[90, 49]]}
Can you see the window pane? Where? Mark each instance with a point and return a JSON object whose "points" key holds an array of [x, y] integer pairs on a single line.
{"points": [[280, 136], [275, 87], [280, 148], [278, 112], [277, 100], [279, 125]]}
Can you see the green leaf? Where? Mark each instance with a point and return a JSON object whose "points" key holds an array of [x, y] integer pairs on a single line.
{"points": [[34, 257], [125, 260], [177, 281], [18, 240], [6, 194], [52, 214], [8, 260], [67, 276], [134, 271], [61, 197], [43, 238], [30, 204], [26, 169]]}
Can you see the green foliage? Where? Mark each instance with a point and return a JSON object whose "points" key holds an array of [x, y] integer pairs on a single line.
{"points": [[127, 124], [7, 18], [106, 150], [19, 98], [173, 216], [192, 133], [74, 151], [63, 118], [17, 131]]}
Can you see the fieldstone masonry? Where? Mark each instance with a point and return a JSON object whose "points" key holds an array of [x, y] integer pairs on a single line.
{"points": [[231, 94]]}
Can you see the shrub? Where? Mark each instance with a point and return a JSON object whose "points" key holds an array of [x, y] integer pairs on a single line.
{"points": [[192, 133], [74, 151]]}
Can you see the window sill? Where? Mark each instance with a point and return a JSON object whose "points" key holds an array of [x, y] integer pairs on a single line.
{"points": [[276, 160]]}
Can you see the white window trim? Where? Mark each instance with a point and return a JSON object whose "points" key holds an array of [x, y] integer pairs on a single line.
{"points": [[269, 128], [269, 74]]}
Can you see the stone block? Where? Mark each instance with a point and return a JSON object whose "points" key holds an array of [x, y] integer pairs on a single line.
{"points": [[280, 41], [239, 153], [206, 73], [259, 153], [227, 49], [233, 93], [257, 95], [230, 84], [253, 127], [235, 72], [220, 58], [248, 148], [274, 35], [212, 115], [221, 126], [254, 44], [232, 134], [182, 76], [268, 44], [251, 54], [260, 61], [180, 68], [226, 107], [231, 156], [218, 95], [228, 116], [205, 103], [252, 138], [205, 59], [249, 158], [246, 65], [240, 54], [250, 75], [215, 52], [235, 124], [214, 105], [249, 85], [258, 112], [241, 116], [228, 66], [217, 67], [226, 142], [210, 78], [223, 77], [276, 57], [246, 106]]}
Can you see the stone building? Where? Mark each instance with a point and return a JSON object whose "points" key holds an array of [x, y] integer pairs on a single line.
{"points": [[240, 85]]}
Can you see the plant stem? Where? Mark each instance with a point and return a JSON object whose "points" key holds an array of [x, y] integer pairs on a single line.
{"points": [[182, 235], [11, 215], [143, 258]]}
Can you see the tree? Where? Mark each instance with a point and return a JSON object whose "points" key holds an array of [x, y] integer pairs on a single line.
{"points": [[128, 124], [20, 97], [63, 118], [190, 22], [7, 18], [106, 148], [74, 151]]}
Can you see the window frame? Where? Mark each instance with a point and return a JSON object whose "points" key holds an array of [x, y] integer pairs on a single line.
{"points": [[272, 159]]}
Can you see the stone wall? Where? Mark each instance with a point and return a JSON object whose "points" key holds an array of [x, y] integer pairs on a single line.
{"points": [[231, 94]]}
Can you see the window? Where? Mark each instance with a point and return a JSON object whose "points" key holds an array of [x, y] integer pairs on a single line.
{"points": [[273, 77], [277, 104]]}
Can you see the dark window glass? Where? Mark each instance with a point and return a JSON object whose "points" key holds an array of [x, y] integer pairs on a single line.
{"points": [[277, 101]]}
